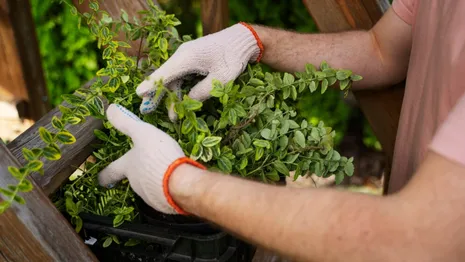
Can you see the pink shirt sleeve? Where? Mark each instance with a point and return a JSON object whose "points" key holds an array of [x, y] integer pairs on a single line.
{"points": [[449, 140], [405, 9]]}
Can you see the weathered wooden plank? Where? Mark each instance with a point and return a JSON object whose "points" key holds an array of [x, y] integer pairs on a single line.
{"points": [[36, 231], [12, 86], [380, 107], [26, 72], [56, 172], [215, 15]]}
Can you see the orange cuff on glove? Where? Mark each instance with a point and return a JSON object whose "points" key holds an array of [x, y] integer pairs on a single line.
{"points": [[166, 179]]}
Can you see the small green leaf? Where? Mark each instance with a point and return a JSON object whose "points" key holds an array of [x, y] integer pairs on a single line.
{"points": [[114, 84], [45, 135], [51, 153], [78, 223], [293, 124], [56, 123], [339, 177], [211, 141], [207, 154], [191, 104], [281, 168], [273, 175], [107, 242], [202, 125], [101, 135], [217, 92], [186, 126], [94, 5], [288, 79], [256, 82], [66, 137], [324, 85], [309, 68], [6, 192], [232, 116], [25, 186], [293, 93], [196, 152], [304, 124], [124, 16], [344, 84], [266, 133], [299, 138], [259, 151], [286, 92], [356, 78], [35, 165], [28, 154], [118, 220], [225, 164], [73, 120], [313, 86], [323, 65], [292, 158], [98, 106], [131, 242], [73, 99], [19, 199], [343, 74], [262, 143], [349, 169], [243, 163], [284, 128], [283, 142], [318, 168], [15, 172], [124, 79]]}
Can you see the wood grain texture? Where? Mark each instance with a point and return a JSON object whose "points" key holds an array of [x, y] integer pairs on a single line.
{"points": [[36, 231], [28, 54], [113, 8], [57, 172], [12, 86], [215, 15], [380, 107]]}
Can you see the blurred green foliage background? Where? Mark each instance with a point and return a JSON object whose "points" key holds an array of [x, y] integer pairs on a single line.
{"points": [[70, 55]]}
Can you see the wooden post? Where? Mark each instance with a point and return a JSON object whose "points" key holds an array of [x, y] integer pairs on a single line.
{"points": [[215, 15], [36, 231], [21, 75], [380, 107]]}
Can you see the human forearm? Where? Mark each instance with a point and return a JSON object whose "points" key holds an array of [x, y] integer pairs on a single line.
{"points": [[380, 55], [306, 225]]}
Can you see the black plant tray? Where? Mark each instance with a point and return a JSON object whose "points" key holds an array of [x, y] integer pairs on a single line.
{"points": [[173, 242]]}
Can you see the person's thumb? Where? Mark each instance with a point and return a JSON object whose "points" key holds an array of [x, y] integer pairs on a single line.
{"points": [[124, 120], [114, 172]]}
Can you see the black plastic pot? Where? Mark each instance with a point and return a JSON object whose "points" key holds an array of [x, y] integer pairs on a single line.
{"points": [[172, 241], [187, 224]]}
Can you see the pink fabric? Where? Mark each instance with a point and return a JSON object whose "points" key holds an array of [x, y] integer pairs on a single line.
{"points": [[435, 84]]}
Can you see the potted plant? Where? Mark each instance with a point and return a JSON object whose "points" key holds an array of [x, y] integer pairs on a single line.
{"points": [[248, 128]]}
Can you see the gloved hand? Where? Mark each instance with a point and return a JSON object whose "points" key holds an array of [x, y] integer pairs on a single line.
{"points": [[222, 56], [149, 164]]}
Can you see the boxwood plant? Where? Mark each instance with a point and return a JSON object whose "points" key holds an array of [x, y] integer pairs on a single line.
{"points": [[248, 128]]}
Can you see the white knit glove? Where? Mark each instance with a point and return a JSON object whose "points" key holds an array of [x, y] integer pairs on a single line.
{"points": [[146, 164], [222, 56]]}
